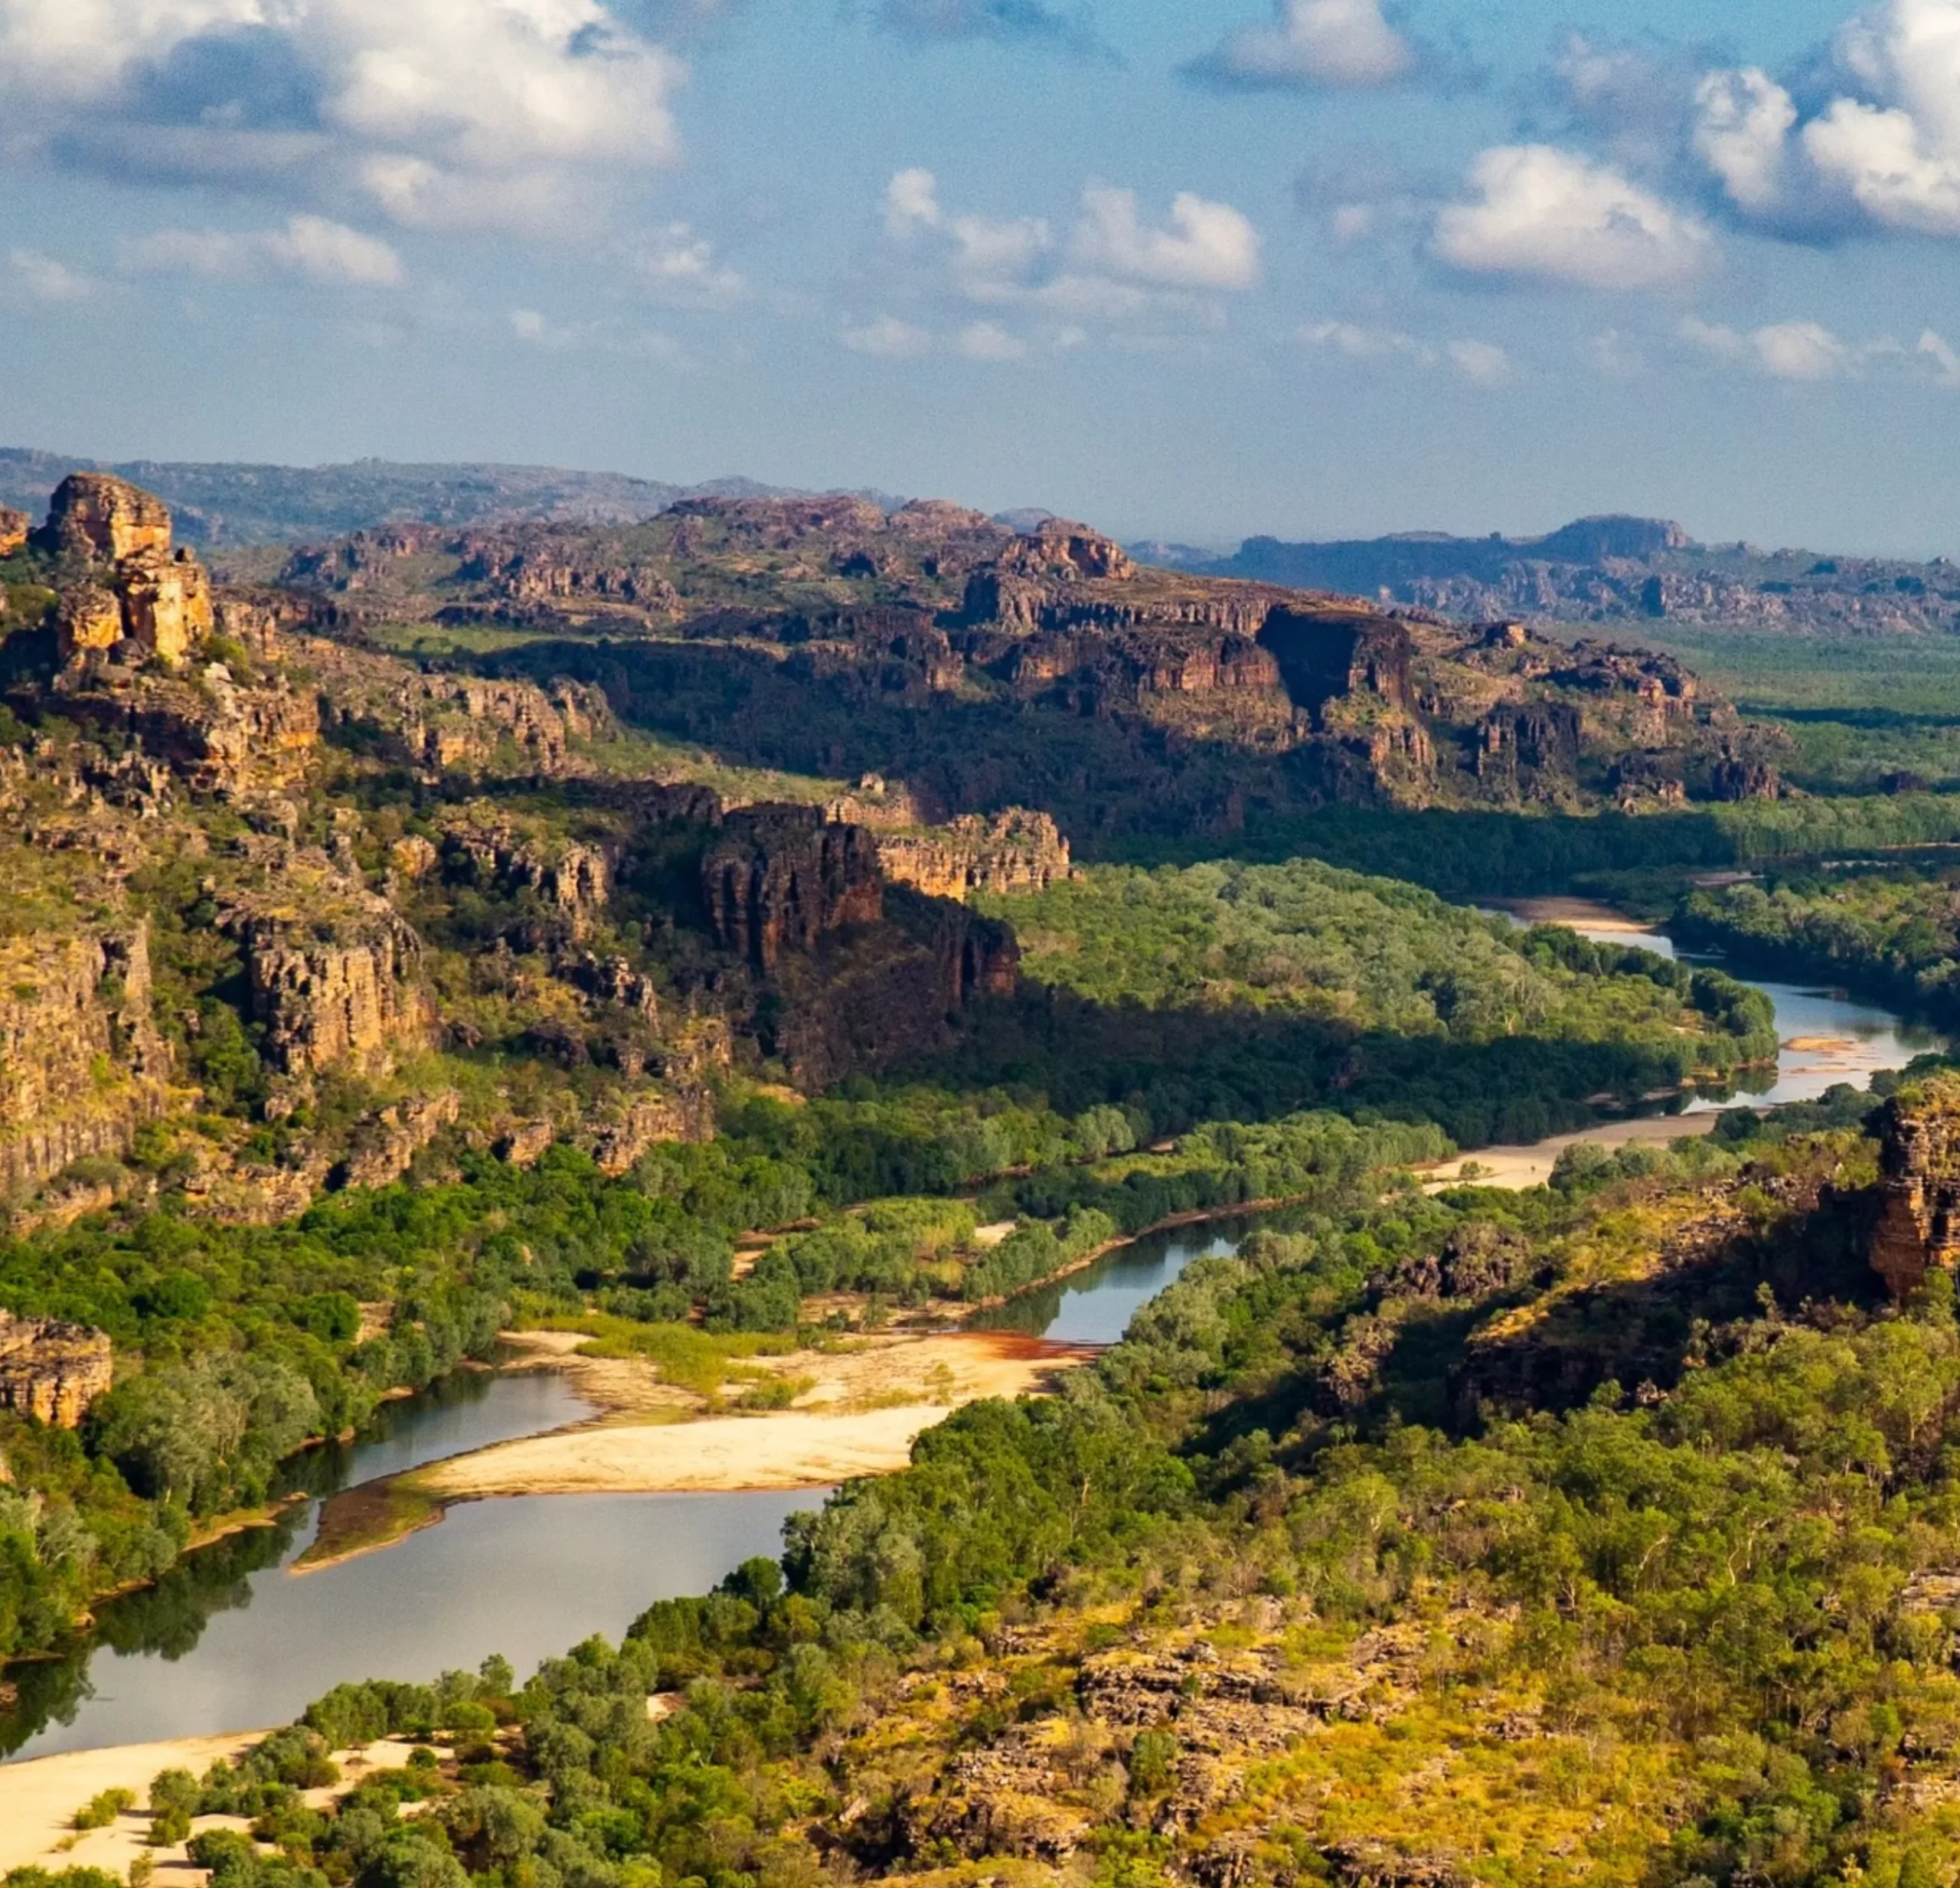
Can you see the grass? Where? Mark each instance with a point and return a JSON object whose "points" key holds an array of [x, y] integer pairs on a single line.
{"points": [[686, 1356], [375, 1514]]}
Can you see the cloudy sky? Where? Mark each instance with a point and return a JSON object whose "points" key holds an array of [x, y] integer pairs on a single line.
{"points": [[1315, 267]]}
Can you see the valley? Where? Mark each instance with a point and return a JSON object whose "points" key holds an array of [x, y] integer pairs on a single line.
{"points": [[867, 1116]]}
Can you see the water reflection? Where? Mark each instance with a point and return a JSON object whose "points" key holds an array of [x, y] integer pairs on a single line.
{"points": [[1096, 1305], [1827, 1036]]}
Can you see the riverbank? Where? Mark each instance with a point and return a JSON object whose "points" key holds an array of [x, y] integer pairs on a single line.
{"points": [[853, 1410], [38, 1800]]}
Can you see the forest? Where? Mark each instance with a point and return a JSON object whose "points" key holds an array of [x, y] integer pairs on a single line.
{"points": [[1673, 1622]]}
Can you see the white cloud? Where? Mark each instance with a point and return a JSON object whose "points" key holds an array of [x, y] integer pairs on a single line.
{"points": [[1937, 348], [540, 331], [1111, 266], [331, 251], [33, 277], [1329, 42], [308, 246], [443, 111], [1613, 354], [889, 338], [1545, 213], [1742, 124], [1879, 151], [988, 341], [680, 265], [1480, 362], [1805, 351], [1206, 245]]}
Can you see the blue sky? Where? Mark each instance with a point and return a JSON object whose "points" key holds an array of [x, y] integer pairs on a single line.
{"points": [[1314, 267]]}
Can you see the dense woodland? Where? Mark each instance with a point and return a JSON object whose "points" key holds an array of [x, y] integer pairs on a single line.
{"points": [[1683, 1635]]}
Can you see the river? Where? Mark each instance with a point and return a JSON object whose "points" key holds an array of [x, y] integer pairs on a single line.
{"points": [[232, 1638]]}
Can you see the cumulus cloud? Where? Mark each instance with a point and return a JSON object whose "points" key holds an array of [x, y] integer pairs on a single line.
{"points": [[309, 245], [1205, 246], [1877, 147], [679, 266], [1111, 264], [1316, 43], [988, 341], [1540, 212], [1480, 362], [440, 110]]}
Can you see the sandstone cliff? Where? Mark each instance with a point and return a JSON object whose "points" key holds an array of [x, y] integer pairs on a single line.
{"points": [[50, 1370], [121, 535], [1014, 851], [335, 982], [81, 1065], [781, 878], [1918, 1216]]}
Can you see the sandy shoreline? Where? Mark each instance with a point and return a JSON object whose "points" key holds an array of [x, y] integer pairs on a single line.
{"points": [[1515, 1168], [860, 1416]]}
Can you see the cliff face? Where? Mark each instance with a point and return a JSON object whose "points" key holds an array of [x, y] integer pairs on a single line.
{"points": [[80, 1063], [782, 878], [343, 991], [568, 878], [1918, 1220], [1014, 851], [51, 1370]]}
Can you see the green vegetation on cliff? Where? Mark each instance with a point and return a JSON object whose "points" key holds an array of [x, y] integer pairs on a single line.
{"points": [[1335, 1570]]}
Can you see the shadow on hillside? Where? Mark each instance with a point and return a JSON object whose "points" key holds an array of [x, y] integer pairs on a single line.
{"points": [[1136, 792]]}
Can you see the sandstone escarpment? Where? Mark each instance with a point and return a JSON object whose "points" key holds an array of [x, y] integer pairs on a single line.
{"points": [[51, 1369], [81, 1065], [335, 988], [1918, 1217], [1014, 851], [781, 878], [218, 735]]}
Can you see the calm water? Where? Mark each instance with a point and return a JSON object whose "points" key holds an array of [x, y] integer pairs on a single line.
{"points": [[1096, 1305], [1828, 1037], [230, 1639]]}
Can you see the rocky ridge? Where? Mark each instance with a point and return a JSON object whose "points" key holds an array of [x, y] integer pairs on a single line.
{"points": [[51, 1369]]}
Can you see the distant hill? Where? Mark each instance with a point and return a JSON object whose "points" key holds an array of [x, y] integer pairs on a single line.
{"points": [[230, 505], [1606, 570]]}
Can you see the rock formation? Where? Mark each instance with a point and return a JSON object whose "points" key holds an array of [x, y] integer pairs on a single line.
{"points": [[1014, 851], [122, 534], [81, 1065], [14, 528], [334, 988], [568, 877], [1918, 1216], [781, 878], [50, 1370]]}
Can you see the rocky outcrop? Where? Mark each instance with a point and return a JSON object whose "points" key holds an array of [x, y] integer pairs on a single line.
{"points": [[1014, 851], [163, 606], [50, 1370], [338, 989], [572, 879], [81, 1064], [14, 528], [780, 878], [216, 734], [385, 1147], [99, 519], [1918, 1216], [642, 1121]]}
